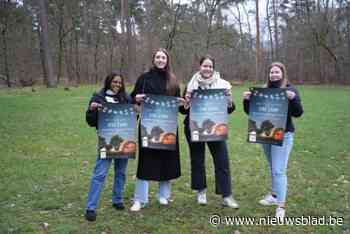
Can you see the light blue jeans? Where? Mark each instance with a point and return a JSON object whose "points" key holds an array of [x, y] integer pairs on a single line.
{"points": [[277, 156], [98, 180], [142, 188]]}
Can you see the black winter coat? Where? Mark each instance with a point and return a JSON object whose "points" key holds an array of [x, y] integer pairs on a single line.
{"points": [[155, 164], [100, 97]]}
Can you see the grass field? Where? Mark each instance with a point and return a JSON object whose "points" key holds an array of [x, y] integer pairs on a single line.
{"points": [[48, 152]]}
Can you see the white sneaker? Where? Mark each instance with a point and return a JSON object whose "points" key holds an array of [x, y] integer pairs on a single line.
{"points": [[268, 200], [137, 206], [163, 201], [280, 213], [230, 202], [201, 198]]}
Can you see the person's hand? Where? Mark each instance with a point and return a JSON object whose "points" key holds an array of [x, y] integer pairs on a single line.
{"points": [[188, 96], [94, 106], [246, 95], [227, 92], [182, 101], [290, 95], [137, 109], [140, 97], [188, 100], [229, 98]]}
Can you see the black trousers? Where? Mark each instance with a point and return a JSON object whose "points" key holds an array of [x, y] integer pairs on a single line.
{"points": [[219, 152]]}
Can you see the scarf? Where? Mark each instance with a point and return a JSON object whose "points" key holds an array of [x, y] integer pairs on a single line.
{"points": [[214, 82], [110, 92], [111, 96]]}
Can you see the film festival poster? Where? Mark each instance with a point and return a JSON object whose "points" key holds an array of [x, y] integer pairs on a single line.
{"points": [[159, 122], [117, 131], [268, 110], [208, 115]]}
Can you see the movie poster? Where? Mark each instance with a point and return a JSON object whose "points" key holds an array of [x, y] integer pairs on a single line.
{"points": [[117, 131], [268, 110], [159, 122], [208, 115]]}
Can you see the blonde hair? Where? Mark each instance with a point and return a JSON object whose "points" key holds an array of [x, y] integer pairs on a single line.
{"points": [[284, 74]]}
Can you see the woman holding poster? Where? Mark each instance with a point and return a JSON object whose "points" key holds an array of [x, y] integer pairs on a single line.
{"points": [[277, 156], [156, 164], [208, 79], [113, 91]]}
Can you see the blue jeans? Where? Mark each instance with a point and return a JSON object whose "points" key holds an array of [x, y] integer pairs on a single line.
{"points": [[98, 179], [142, 187], [277, 156]]}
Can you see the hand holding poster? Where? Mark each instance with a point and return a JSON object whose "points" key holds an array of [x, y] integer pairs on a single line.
{"points": [[159, 122], [117, 131], [208, 115], [267, 115]]}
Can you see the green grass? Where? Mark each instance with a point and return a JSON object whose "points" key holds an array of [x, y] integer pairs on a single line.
{"points": [[48, 153]]}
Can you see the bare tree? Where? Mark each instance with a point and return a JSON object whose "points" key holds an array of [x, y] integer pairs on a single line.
{"points": [[257, 63], [44, 38], [5, 11], [269, 27], [275, 4], [93, 37]]}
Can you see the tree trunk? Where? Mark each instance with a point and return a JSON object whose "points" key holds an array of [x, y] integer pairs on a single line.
{"points": [[77, 56], [149, 28], [241, 48], [69, 62], [257, 61], [209, 31], [96, 59], [60, 55], [172, 33], [211, 8], [60, 25], [347, 63], [44, 37], [42, 57], [275, 22], [130, 43], [268, 17], [123, 45], [251, 44], [5, 54], [111, 52]]}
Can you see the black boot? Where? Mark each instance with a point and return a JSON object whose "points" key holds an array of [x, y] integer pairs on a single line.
{"points": [[90, 215], [119, 206]]}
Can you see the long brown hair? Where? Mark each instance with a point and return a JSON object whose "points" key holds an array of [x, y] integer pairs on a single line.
{"points": [[284, 74], [172, 83]]}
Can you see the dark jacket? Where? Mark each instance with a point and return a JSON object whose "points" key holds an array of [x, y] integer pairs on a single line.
{"points": [[186, 112], [295, 108], [155, 164], [100, 97]]}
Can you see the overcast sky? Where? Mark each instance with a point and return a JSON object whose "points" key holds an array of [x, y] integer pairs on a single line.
{"points": [[250, 5]]}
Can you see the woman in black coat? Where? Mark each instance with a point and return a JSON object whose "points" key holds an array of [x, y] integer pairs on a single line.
{"points": [[155, 164]]}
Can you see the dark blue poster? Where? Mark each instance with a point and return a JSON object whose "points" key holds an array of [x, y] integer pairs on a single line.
{"points": [[267, 115], [117, 131], [208, 115], [159, 122]]}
